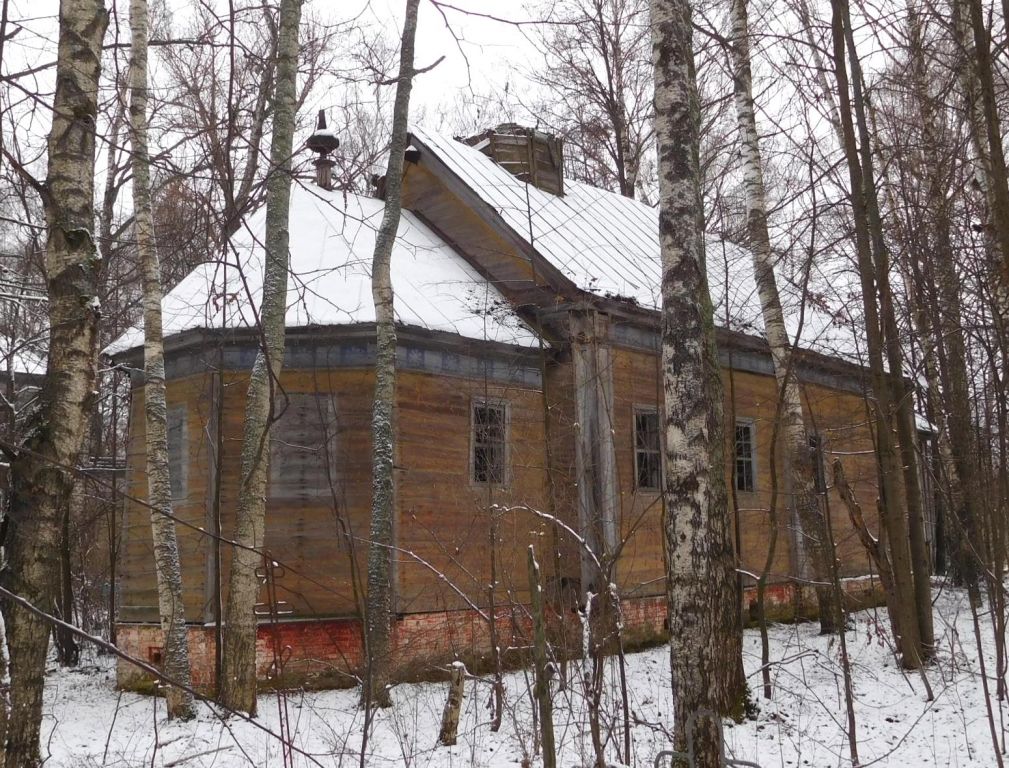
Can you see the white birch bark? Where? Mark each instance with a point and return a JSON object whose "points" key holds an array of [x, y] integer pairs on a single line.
{"points": [[5, 690], [159, 486], [795, 441], [379, 607], [238, 687], [704, 617], [41, 483]]}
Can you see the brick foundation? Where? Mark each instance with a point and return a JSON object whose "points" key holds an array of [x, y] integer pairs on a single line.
{"points": [[328, 653]]}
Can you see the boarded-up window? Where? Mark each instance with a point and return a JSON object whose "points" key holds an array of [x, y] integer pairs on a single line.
{"points": [[745, 457], [647, 458], [489, 427], [302, 446], [178, 451]]}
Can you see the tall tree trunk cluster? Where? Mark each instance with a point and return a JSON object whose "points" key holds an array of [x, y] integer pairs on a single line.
{"points": [[265, 395], [42, 473], [702, 589], [891, 401]]}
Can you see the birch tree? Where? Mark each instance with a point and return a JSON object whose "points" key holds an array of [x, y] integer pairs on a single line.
{"points": [[42, 476], [238, 688], [704, 617], [799, 460], [159, 486], [378, 613]]}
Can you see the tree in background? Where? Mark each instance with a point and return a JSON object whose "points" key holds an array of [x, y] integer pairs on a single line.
{"points": [[897, 473], [704, 619], [597, 80]]}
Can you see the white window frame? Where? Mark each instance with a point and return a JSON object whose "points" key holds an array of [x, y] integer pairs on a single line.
{"points": [[646, 410], [751, 425]]}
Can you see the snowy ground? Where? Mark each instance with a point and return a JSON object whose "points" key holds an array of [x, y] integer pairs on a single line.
{"points": [[89, 723]]}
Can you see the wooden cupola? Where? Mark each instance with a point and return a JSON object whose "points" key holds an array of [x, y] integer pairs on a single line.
{"points": [[529, 154]]}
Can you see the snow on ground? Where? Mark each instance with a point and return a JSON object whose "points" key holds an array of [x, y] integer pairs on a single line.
{"points": [[88, 723]]}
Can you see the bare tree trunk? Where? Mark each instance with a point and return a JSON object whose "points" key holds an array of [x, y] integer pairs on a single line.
{"points": [[453, 705], [704, 616], [380, 588], [892, 492], [42, 473], [541, 663], [238, 689], [902, 398], [939, 322], [159, 486], [68, 652], [5, 691], [986, 112], [799, 461], [873, 546]]}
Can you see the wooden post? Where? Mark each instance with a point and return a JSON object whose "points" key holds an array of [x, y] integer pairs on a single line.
{"points": [[453, 705], [541, 661]]}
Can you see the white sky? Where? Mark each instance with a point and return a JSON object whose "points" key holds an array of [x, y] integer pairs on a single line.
{"points": [[484, 55]]}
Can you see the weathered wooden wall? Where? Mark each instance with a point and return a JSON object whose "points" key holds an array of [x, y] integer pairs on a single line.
{"points": [[445, 520], [839, 416], [138, 600]]}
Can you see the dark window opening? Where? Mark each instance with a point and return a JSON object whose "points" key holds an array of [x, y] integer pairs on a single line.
{"points": [[647, 451], [745, 449], [488, 443], [819, 469]]}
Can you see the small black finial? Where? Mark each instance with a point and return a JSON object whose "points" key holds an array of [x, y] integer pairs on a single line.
{"points": [[323, 141]]}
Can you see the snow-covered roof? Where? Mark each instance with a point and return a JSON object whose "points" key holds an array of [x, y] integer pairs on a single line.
{"points": [[22, 356], [609, 245], [332, 240]]}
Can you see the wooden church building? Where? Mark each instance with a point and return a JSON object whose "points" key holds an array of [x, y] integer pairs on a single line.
{"points": [[528, 392]]}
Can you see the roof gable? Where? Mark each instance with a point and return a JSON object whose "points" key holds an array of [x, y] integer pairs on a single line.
{"points": [[608, 245]]}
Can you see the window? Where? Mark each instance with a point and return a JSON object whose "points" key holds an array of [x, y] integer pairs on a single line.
{"points": [[647, 453], [489, 424], [819, 471], [302, 443], [178, 451], [745, 464]]}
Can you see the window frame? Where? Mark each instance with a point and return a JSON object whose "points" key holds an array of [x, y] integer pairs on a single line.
{"points": [[646, 410], [180, 411], [504, 406], [273, 494], [751, 425]]}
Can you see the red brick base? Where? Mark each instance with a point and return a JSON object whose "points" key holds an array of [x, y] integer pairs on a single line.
{"points": [[329, 653]]}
